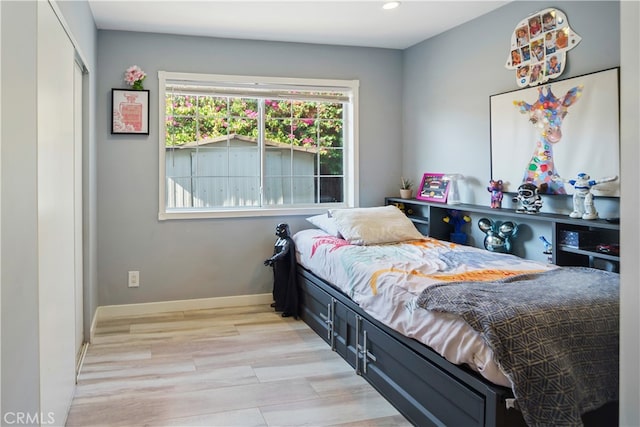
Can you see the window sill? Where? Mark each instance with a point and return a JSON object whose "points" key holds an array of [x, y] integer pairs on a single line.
{"points": [[245, 213]]}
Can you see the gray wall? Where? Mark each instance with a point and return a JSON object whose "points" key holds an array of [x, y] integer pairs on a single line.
{"points": [[183, 259], [447, 82]]}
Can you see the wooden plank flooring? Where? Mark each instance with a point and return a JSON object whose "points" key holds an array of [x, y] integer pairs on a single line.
{"points": [[244, 366]]}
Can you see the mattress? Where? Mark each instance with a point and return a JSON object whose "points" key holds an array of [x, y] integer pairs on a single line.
{"points": [[387, 280]]}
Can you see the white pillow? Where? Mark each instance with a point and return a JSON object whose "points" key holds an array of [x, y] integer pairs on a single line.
{"points": [[372, 226], [325, 223]]}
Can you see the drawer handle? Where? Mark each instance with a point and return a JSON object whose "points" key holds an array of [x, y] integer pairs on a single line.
{"points": [[358, 319], [366, 354], [331, 308], [328, 320]]}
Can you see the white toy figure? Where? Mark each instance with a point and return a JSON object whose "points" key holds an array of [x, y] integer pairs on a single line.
{"points": [[529, 199], [583, 198]]}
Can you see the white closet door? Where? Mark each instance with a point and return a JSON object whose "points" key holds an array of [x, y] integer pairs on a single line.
{"points": [[0, 210], [77, 202], [56, 238]]}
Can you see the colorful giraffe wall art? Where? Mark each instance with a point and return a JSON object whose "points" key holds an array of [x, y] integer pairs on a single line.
{"points": [[562, 128], [547, 114]]}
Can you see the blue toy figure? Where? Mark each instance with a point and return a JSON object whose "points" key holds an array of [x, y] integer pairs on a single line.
{"points": [[457, 220], [498, 235], [548, 248], [495, 188]]}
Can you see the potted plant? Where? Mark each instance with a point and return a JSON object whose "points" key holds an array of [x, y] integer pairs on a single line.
{"points": [[406, 188]]}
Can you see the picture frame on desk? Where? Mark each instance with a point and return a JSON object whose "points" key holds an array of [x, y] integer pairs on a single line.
{"points": [[433, 188]]}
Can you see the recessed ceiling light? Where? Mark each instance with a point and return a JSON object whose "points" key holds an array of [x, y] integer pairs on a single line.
{"points": [[391, 5]]}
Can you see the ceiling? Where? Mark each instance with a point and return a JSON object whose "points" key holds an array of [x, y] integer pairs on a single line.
{"points": [[348, 23]]}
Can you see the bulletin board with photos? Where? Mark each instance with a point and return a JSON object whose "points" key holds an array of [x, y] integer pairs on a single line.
{"points": [[539, 46]]}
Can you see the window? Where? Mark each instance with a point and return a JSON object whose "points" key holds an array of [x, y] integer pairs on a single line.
{"points": [[242, 146]]}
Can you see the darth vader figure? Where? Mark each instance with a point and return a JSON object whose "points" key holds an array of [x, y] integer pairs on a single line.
{"points": [[283, 261]]}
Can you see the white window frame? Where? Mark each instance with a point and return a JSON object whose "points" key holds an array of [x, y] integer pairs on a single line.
{"points": [[351, 195]]}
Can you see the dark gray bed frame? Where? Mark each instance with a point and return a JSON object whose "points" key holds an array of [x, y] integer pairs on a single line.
{"points": [[427, 389]]}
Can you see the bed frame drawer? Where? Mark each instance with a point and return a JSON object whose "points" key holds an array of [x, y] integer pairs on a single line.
{"points": [[315, 309], [400, 375], [329, 318]]}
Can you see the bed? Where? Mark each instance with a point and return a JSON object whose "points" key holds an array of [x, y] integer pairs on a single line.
{"points": [[455, 335]]}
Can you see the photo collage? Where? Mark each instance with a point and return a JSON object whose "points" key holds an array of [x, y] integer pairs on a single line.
{"points": [[539, 45]]}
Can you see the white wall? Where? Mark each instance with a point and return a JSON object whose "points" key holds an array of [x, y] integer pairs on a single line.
{"points": [[1, 213], [630, 206], [28, 374], [20, 362]]}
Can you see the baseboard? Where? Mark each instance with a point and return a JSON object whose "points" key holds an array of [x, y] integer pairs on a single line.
{"points": [[92, 328], [112, 311], [80, 361]]}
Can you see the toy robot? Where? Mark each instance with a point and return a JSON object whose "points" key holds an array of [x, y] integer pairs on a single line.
{"points": [[583, 206], [495, 188], [283, 261], [529, 199], [498, 235]]}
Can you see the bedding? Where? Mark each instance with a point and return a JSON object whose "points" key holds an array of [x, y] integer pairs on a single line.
{"points": [[325, 223], [390, 281], [373, 226], [553, 334]]}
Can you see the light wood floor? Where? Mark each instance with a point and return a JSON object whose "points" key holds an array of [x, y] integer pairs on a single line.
{"points": [[242, 366]]}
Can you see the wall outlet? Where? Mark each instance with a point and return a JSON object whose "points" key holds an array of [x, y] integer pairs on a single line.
{"points": [[134, 279]]}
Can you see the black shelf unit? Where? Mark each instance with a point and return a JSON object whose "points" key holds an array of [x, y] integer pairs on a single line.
{"points": [[587, 255]]}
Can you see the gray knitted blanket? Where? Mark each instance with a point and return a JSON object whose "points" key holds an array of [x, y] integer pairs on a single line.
{"points": [[554, 334]]}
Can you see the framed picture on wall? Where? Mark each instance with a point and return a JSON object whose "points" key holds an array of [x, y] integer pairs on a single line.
{"points": [[129, 111], [550, 134], [433, 188]]}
